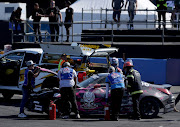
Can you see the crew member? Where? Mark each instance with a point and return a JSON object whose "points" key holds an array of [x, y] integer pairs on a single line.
{"points": [[62, 61], [16, 19], [176, 101], [132, 11], [134, 86], [29, 83], [54, 14], [36, 16], [161, 9], [68, 80], [116, 81], [117, 5], [115, 64], [68, 19]]}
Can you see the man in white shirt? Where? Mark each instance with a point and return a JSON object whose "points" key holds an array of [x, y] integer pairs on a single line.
{"points": [[67, 80]]}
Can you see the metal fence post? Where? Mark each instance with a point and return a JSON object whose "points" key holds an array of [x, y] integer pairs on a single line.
{"points": [[112, 33], [106, 19], [146, 17], [163, 34], [62, 24], [101, 18], [82, 17], [91, 18]]}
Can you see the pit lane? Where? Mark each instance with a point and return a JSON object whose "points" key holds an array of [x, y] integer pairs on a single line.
{"points": [[10, 109]]}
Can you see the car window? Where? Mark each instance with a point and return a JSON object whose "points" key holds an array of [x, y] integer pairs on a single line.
{"points": [[93, 80], [51, 58], [30, 56], [13, 56]]}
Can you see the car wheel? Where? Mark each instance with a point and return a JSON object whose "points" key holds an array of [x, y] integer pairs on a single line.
{"points": [[8, 95], [149, 108]]}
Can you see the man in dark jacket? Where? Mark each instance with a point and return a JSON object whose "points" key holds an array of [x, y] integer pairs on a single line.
{"points": [[16, 19], [36, 16], [54, 14], [134, 86]]}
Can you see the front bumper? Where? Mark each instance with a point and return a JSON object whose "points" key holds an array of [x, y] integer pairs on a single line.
{"points": [[169, 106]]}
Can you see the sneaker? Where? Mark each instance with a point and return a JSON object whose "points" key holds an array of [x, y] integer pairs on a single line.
{"points": [[65, 117], [78, 116], [22, 115]]}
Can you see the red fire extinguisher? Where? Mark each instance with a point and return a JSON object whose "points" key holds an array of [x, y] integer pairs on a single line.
{"points": [[106, 112], [52, 111]]}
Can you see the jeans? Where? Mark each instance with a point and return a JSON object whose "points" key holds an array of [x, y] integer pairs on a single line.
{"points": [[131, 17], [26, 94], [53, 28], [37, 30], [163, 14]]}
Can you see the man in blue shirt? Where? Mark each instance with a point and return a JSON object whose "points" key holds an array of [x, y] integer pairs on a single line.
{"points": [[116, 81], [29, 83]]}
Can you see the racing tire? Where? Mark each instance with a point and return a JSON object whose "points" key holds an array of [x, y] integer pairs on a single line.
{"points": [[149, 108], [7, 95]]}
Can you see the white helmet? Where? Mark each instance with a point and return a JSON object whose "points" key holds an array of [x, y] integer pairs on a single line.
{"points": [[115, 61], [66, 64], [111, 69], [29, 63]]}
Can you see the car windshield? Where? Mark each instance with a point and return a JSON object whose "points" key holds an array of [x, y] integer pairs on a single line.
{"points": [[95, 79], [14, 56]]}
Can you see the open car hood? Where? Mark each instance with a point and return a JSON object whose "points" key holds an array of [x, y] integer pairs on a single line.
{"points": [[78, 50]]}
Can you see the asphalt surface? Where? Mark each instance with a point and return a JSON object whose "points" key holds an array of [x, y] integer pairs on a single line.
{"points": [[10, 109]]}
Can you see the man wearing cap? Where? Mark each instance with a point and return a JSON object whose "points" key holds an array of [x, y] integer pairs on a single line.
{"points": [[116, 81], [16, 19], [134, 86], [67, 80], [29, 81], [62, 61]]}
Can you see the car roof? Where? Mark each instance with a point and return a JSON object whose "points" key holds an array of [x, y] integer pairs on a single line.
{"points": [[36, 50]]}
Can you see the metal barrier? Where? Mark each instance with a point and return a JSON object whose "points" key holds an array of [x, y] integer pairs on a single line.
{"points": [[100, 22]]}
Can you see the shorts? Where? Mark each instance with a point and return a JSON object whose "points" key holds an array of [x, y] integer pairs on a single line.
{"points": [[67, 25], [116, 13]]}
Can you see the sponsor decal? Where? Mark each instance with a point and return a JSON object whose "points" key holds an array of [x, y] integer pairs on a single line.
{"points": [[89, 99]]}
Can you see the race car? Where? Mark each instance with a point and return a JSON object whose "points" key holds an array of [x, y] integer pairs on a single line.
{"points": [[90, 97]]}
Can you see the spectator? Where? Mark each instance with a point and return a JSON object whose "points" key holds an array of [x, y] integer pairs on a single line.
{"points": [[117, 5], [54, 13], [161, 9], [68, 19], [68, 80], [16, 19], [132, 11], [29, 80], [176, 10], [36, 16]]}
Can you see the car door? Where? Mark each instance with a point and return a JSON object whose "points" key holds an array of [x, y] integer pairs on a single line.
{"points": [[35, 57], [91, 100], [10, 65]]}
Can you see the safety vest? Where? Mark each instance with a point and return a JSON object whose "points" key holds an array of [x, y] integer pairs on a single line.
{"points": [[26, 79], [136, 87], [66, 73], [161, 3], [60, 64], [116, 80]]}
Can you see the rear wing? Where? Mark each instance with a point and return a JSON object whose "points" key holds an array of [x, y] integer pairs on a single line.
{"points": [[77, 50]]}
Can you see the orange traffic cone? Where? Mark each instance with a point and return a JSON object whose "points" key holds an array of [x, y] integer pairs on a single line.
{"points": [[106, 112]]}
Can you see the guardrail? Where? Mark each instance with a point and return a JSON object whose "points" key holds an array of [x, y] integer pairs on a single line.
{"points": [[100, 22]]}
